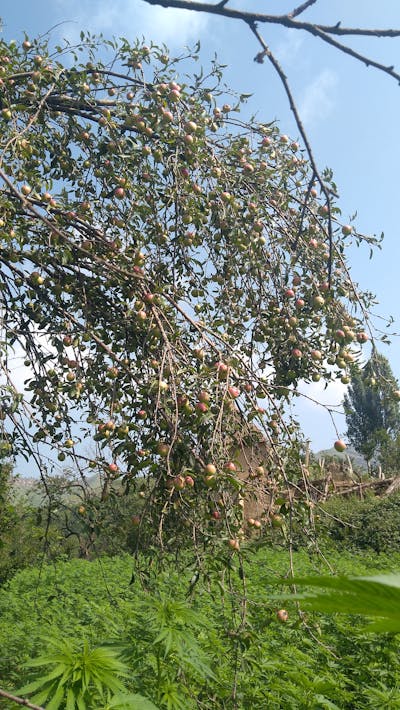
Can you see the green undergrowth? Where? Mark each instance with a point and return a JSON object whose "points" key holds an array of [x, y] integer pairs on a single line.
{"points": [[187, 645]]}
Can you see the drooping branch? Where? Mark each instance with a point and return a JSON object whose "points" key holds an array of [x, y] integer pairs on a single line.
{"points": [[324, 32]]}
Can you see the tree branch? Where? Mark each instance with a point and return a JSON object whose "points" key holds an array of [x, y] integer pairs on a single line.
{"points": [[284, 20], [266, 52], [19, 701], [301, 8]]}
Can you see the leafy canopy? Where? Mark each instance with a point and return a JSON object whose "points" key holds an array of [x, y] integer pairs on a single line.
{"points": [[372, 408], [169, 274]]}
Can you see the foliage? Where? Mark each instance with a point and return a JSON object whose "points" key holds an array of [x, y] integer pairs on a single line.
{"points": [[372, 409], [370, 524], [169, 273], [79, 678], [203, 644], [368, 596]]}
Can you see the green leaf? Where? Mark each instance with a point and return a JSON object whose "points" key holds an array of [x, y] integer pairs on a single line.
{"points": [[377, 596]]}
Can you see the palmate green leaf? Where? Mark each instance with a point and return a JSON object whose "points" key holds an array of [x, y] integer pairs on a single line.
{"points": [[377, 596], [57, 699], [130, 701]]}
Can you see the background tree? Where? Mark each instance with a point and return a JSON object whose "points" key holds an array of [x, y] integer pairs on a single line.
{"points": [[372, 409], [169, 273]]}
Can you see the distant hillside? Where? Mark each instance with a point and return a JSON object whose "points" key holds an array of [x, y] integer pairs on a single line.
{"points": [[28, 490], [357, 460]]}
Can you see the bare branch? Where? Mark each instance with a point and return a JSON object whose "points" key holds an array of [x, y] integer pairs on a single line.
{"points": [[284, 20], [266, 52], [19, 701], [301, 8]]}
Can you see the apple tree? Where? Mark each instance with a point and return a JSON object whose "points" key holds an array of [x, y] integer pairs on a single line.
{"points": [[169, 274]]}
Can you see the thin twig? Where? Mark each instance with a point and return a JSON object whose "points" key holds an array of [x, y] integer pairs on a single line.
{"points": [[301, 8]]}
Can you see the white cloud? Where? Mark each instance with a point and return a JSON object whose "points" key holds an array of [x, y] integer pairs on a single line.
{"points": [[319, 97], [288, 48], [131, 19], [319, 411]]}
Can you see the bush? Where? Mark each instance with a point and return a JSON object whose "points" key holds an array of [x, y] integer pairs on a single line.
{"points": [[373, 523]]}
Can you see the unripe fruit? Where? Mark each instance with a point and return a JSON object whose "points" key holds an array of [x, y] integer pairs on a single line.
{"points": [[210, 469], [162, 449], [339, 445]]}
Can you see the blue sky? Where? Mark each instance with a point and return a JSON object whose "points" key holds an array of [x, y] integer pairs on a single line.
{"points": [[351, 114]]}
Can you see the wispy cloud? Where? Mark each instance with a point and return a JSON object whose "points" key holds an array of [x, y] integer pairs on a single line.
{"points": [[131, 19], [319, 97], [288, 48]]}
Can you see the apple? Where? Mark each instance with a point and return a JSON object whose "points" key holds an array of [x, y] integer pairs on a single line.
{"points": [[201, 407], [119, 193], [190, 127], [318, 301], [179, 482], [210, 469], [233, 391], [68, 444], [81, 509], [339, 445], [362, 337], [204, 396], [234, 544], [162, 449], [297, 353], [216, 514], [135, 521], [189, 481], [230, 466], [316, 355], [142, 414], [222, 369], [282, 615], [112, 467], [396, 394], [26, 190], [289, 293], [347, 230], [300, 303], [276, 520]]}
